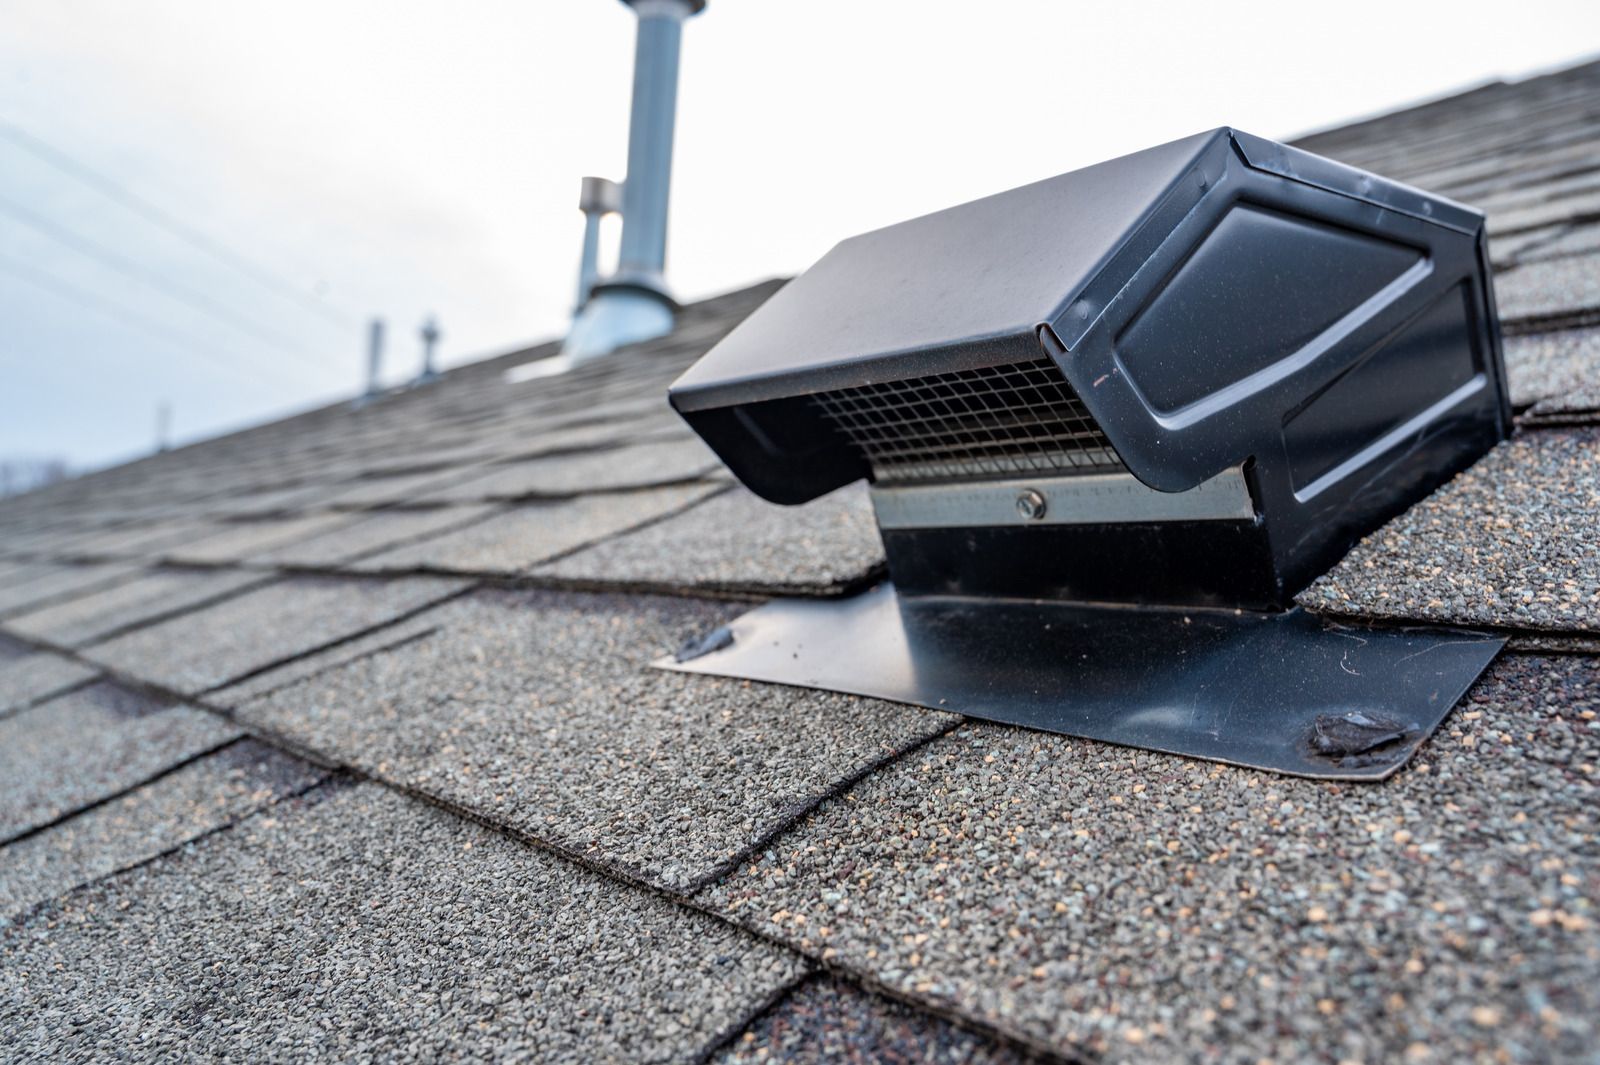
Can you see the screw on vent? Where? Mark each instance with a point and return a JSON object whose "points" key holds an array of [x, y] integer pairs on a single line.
{"points": [[1031, 505]]}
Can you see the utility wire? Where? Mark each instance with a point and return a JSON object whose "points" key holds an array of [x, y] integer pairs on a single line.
{"points": [[150, 326], [162, 219], [123, 265]]}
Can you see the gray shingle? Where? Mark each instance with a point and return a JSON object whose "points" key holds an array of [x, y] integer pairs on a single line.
{"points": [[537, 711], [205, 795], [371, 534], [591, 430], [1546, 210], [638, 466], [44, 583], [380, 491], [1146, 907], [87, 745], [14, 569], [739, 542], [1510, 543], [389, 636], [309, 934], [287, 501], [1546, 365], [1554, 289], [155, 595], [141, 540], [515, 540], [827, 1021], [240, 541], [1567, 241], [28, 676], [1519, 247], [207, 648], [1578, 407]]}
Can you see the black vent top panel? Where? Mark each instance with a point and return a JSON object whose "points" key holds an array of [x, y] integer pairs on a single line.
{"points": [[1019, 419]]}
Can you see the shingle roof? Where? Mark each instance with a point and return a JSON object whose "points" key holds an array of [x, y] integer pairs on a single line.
{"points": [[338, 736]]}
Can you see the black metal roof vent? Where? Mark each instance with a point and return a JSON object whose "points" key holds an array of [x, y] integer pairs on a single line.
{"points": [[1189, 378]]}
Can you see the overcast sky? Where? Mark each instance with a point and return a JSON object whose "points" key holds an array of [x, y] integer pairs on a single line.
{"points": [[326, 162]]}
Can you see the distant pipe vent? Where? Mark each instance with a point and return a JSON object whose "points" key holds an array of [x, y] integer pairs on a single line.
{"points": [[997, 421], [598, 198]]}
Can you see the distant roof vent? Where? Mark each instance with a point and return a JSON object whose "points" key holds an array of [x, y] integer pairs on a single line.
{"points": [[1189, 378], [634, 303], [599, 197]]}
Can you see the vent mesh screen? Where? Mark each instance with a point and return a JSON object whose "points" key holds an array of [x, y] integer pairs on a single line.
{"points": [[999, 421]]}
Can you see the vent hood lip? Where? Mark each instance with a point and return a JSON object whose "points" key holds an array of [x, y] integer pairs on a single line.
{"points": [[992, 269], [975, 353]]}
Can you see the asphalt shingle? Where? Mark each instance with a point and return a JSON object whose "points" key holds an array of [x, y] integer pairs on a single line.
{"points": [[46, 583], [141, 540], [1552, 289], [1581, 406], [1144, 907], [90, 744], [538, 711], [637, 466], [829, 1021], [390, 636], [1567, 241], [1510, 543], [592, 429], [241, 541], [27, 676], [371, 534], [207, 648], [1546, 365], [738, 542], [310, 933], [202, 796], [157, 594], [1547, 209], [514, 540], [379, 491]]}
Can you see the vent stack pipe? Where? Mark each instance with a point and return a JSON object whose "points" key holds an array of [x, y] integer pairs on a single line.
{"points": [[634, 304]]}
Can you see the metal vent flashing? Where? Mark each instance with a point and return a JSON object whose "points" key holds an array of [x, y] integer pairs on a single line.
{"points": [[1113, 422]]}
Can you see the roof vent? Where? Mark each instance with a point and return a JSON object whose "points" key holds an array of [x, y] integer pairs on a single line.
{"points": [[1186, 380], [634, 304]]}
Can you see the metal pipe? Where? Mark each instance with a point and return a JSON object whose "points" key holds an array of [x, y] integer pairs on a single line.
{"points": [[374, 355], [430, 336], [650, 131], [598, 198], [634, 304]]}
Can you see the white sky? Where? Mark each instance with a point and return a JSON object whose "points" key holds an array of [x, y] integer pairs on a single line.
{"points": [[402, 157]]}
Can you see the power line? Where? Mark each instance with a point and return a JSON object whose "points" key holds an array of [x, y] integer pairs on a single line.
{"points": [[163, 219], [123, 265], [150, 326]]}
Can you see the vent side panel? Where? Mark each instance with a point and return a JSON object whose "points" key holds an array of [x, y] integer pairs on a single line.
{"points": [[1429, 359], [1261, 286]]}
